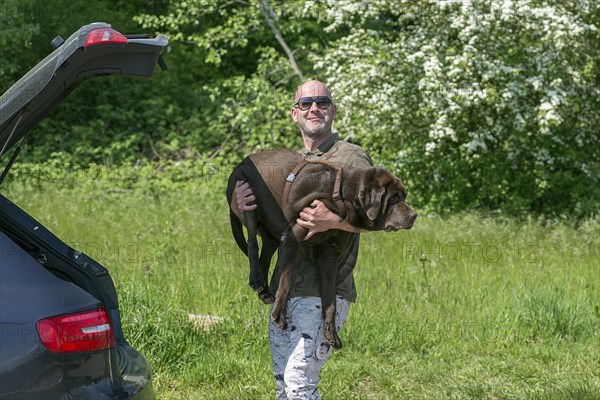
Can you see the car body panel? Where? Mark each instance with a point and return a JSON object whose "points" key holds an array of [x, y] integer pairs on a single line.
{"points": [[31, 293]]}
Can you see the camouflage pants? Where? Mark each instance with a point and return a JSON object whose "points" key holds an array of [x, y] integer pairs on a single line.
{"points": [[299, 351]]}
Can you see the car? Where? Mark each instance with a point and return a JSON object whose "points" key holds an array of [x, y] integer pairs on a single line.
{"points": [[61, 333]]}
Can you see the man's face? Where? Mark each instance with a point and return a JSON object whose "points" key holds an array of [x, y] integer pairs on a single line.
{"points": [[314, 122]]}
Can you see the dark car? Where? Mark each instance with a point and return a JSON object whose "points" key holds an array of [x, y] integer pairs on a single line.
{"points": [[61, 335]]}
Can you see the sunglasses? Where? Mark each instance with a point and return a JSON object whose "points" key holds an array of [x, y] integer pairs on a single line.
{"points": [[304, 103]]}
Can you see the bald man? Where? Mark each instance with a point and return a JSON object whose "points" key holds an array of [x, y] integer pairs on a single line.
{"points": [[299, 351]]}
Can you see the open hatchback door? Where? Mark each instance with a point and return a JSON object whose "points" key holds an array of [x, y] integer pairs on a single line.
{"points": [[94, 50]]}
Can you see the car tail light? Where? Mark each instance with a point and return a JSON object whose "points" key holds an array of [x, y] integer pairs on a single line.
{"points": [[79, 332], [103, 36]]}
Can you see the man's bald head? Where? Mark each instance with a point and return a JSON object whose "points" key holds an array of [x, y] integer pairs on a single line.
{"points": [[312, 88]]}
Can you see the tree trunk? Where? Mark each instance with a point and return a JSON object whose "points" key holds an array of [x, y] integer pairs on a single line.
{"points": [[266, 9]]}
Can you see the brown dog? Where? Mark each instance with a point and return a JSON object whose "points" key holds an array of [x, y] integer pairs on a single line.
{"points": [[283, 184]]}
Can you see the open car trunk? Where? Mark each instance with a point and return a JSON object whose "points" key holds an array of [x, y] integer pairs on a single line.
{"points": [[94, 50], [35, 259]]}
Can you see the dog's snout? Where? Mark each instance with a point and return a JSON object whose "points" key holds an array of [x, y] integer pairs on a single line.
{"points": [[412, 217], [409, 220], [403, 217]]}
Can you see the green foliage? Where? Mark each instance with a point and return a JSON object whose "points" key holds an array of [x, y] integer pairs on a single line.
{"points": [[490, 106]]}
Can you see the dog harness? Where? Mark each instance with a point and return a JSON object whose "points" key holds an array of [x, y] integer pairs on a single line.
{"points": [[337, 186]]}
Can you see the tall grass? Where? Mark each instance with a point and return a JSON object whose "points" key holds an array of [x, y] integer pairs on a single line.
{"points": [[464, 307]]}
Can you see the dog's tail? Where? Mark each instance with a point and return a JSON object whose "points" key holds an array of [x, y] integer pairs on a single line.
{"points": [[238, 232], [236, 225]]}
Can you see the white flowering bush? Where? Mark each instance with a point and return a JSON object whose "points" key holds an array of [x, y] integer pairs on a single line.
{"points": [[486, 104]]}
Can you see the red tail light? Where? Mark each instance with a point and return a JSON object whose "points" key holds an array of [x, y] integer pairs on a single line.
{"points": [[80, 332], [103, 36]]}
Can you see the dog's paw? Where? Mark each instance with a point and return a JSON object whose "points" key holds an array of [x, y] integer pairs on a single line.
{"points": [[332, 338], [278, 316], [266, 297], [258, 286]]}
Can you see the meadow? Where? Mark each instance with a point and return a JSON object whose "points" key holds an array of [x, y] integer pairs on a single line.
{"points": [[459, 307]]}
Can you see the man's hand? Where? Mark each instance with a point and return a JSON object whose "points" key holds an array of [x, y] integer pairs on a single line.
{"points": [[244, 195], [318, 218]]}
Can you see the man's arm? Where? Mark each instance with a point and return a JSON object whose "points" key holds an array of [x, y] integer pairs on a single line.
{"points": [[318, 218]]}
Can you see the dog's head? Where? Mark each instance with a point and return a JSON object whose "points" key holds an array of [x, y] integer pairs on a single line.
{"points": [[382, 197]]}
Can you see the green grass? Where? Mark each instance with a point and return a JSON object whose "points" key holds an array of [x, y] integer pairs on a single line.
{"points": [[464, 307]]}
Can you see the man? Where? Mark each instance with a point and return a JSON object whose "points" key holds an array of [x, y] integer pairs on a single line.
{"points": [[299, 352]]}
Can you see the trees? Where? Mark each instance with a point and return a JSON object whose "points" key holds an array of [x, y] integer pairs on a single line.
{"points": [[492, 105], [257, 51]]}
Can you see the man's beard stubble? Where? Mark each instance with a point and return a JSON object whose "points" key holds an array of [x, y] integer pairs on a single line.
{"points": [[316, 133]]}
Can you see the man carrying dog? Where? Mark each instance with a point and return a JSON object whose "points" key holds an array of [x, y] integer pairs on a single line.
{"points": [[299, 351]]}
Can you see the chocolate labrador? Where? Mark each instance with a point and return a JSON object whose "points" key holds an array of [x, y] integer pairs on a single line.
{"points": [[283, 183]]}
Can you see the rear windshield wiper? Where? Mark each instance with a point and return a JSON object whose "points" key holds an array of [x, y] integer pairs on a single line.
{"points": [[138, 36]]}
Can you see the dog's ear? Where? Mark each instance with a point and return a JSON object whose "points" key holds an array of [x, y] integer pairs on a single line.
{"points": [[373, 189], [370, 198]]}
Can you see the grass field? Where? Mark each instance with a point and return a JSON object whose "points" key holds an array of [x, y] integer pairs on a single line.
{"points": [[463, 307]]}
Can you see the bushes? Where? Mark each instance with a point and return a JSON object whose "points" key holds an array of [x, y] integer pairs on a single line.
{"points": [[490, 105]]}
